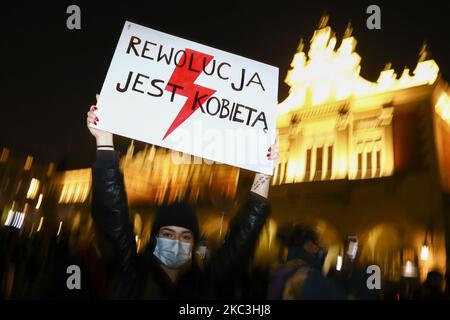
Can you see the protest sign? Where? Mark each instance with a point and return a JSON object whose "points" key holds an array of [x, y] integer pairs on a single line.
{"points": [[190, 98]]}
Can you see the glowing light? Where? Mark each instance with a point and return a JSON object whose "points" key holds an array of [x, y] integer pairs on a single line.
{"points": [[59, 228], [426, 73], [9, 218], [155, 174], [20, 221], [386, 80], [38, 205], [408, 267], [28, 163], [443, 107], [409, 270], [352, 249], [424, 253], [342, 166], [75, 186], [33, 189], [138, 243], [291, 171], [137, 224], [328, 74], [339, 263], [15, 219], [40, 224], [328, 129]]}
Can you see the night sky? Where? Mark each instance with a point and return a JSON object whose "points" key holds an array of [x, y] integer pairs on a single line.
{"points": [[49, 74]]}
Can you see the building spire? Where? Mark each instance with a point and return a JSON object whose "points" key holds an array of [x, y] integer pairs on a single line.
{"points": [[424, 53], [301, 45], [323, 20], [348, 31]]}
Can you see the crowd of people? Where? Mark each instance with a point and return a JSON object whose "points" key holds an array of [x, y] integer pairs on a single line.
{"points": [[36, 268], [172, 266]]}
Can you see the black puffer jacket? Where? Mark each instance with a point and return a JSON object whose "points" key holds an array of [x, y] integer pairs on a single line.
{"points": [[133, 276]]}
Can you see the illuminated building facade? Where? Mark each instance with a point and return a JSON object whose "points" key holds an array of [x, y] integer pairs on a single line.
{"points": [[25, 184], [363, 158], [366, 158], [154, 176]]}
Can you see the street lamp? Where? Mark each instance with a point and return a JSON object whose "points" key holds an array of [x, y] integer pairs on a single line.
{"points": [[424, 252]]}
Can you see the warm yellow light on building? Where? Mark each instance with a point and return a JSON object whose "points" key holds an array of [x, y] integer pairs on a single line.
{"points": [[75, 186], [443, 107], [5, 154], [33, 189], [156, 175], [41, 221], [28, 163], [9, 218], [342, 167], [424, 253], [336, 124], [291, 171], [409, 270], [38, 204], [328, 74], [426, 73]]}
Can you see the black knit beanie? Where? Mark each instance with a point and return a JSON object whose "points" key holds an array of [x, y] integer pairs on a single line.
{"points": [[179, 214]]}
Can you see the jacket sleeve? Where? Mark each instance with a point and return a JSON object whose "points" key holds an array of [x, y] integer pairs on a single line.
{"points": [[239, 245], [114, 231]]}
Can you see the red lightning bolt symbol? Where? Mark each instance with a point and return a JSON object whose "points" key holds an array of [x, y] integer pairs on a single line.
{"points": [[185, 77]]}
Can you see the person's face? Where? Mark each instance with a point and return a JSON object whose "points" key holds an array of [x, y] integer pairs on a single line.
{"points": [[176, 233]]}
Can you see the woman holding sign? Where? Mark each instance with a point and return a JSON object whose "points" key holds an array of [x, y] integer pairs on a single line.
{"points": [[166, 269]]}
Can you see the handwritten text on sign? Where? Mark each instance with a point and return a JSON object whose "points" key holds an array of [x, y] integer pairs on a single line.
{"points": [[191, 98]]}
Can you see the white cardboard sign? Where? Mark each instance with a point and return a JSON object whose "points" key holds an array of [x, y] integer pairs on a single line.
{"points": [[190, 98]]}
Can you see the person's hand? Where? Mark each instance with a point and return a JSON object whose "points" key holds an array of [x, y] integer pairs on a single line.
{"points": [[261, 183], [272, 153], [102, 137]]}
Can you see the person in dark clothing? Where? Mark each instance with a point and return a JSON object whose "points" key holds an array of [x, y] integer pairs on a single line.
{"points": [[432, 288], [300, 276], [166, 269], [352, 276]]}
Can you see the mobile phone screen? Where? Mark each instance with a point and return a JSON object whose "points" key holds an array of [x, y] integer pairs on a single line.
{"points": [[352, 249]]}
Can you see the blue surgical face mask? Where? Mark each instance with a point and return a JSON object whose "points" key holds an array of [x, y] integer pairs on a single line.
{"points": [[172, 253]]}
